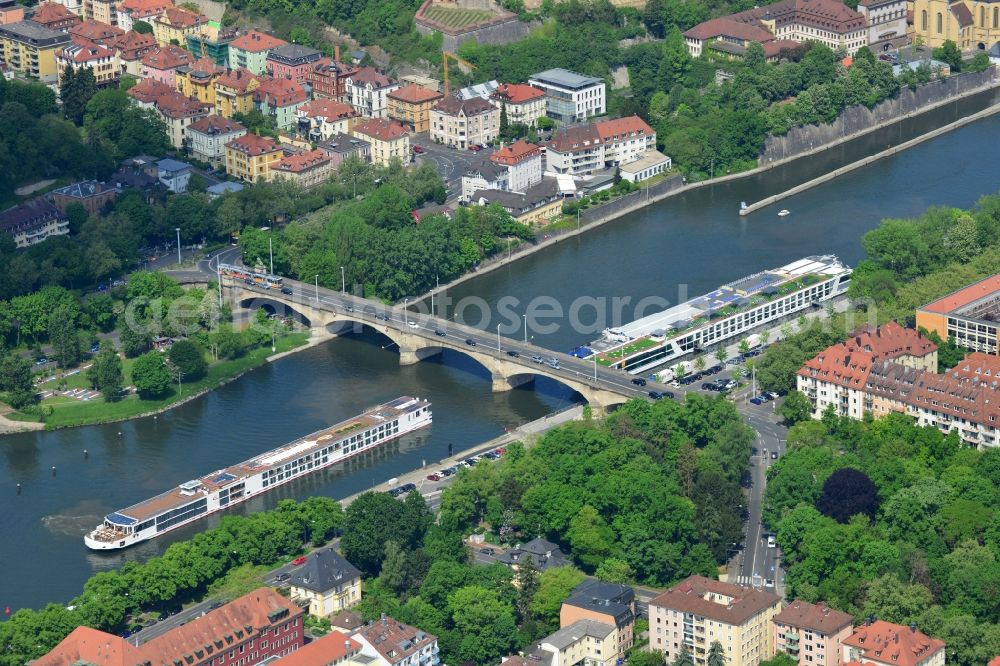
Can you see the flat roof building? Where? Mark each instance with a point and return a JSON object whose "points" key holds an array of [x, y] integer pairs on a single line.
{"points": [[570, 96], [969, 316]]}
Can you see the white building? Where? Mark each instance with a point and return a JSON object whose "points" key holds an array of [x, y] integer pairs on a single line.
{"points": [[464, 122], [33, 221], [391, 643], [367, 89], [524, 104], [575, 151], [648, 164], [174, 174], [523, 162], [570, 96], [625, 139], [207, 138], [886, 21], [484, 176], [323, 119]]}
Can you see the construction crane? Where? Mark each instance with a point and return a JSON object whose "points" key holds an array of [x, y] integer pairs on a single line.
{"points": [[445, 55]]}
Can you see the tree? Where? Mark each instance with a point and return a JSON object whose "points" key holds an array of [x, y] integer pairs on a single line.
{"points": [[720, 355], [374, 518], [796, 408], [744, 346], [484, 624], [950, 54], [75, 90], [504, 121], [64, 336], [613, 570], [716, 653], [699, 364], [754, 57], [847, 493], [105, 374], [150, 376], [16, 380], [189, 358], [554, 586], [142, 27], [980, 62], [684, 658], [134, 337], [527, 585]]}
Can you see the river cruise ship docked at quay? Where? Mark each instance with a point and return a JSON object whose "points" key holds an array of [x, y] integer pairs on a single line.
{"points": [[227, 487], [721, 316]]}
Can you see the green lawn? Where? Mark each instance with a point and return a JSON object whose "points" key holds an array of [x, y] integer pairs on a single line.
{"points": [[456, 17], [67, 412]]}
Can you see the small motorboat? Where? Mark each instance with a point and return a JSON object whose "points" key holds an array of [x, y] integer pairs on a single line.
{"points": [[783, 212], [743, 205]]}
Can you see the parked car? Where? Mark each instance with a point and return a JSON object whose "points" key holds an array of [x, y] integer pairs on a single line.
{"points": [[407, 487], [282, 576], [433, 477], [41, 361], [774, 455], [475, 147], [299, 560], [655, 395], [470, 461], [418, 149], [487, 551], [757, 401], [500, 450], [772, 395], [668, 394], [771, 543], [412, 324]]}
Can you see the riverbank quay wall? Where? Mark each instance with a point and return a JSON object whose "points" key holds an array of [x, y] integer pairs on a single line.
{"points": [[856, 120]]}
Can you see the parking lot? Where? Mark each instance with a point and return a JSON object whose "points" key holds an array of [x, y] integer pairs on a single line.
{"points": [[451, 163]]}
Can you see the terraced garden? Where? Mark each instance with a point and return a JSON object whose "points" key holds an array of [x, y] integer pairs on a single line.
{"points": [[456, 17]]}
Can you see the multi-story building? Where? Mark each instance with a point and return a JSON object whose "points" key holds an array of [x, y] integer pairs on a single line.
{"points": [[388, 140], [234, 92], [173, 174], [102, 11], [292, 62], [333, 649], [328, 78], [100, 60], [344, 146], [250, 157], [207, 138], [486, 175], [969, 316], [249, 51], [96, 32], [280, 98], [31, 49], [255, 628], [75, 6], [971, 24], [524, 104], [130, 11], [570, 96], [11, 12], [575, 151], [461, 123], [700, 611], [811, 633], [886, 21], [625, 139], [539, 204], [367, 91], [327, 581], [198, 79], [161, 63], [54, 16], [90, 194], [583, 642], [146, 92], [306, 170], [175, 24], [839, 375], [411, 105], [608, 603], [321, 119], [178, 113], [392, 643], [882, 643], [213, 45], [131, 48], [33, 221], [523, 163]]}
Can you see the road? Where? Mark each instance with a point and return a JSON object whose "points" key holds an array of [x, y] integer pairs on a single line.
{"points": [[451, 163]]}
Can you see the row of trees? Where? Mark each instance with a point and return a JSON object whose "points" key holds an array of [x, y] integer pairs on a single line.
{"points": [[889, 519]]}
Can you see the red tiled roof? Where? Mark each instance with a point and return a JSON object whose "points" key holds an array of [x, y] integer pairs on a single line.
{"points": [[237, 79], [728, 27], [888, 643], [303, 162], [327, 108], [167, 57], [383, 130], [279, 92], [255, 42], [253, 145], [890, 341], [849, 363], [371, 77], [149, 90], [90, 646], [216, 125], [995, 661], [391, 637], [176, 105], [414, 94], [964, 296], [734, 604], [517, 93], [81, 51], [132, 42], [95, 31], [515, 153], [330, 649], [51, 12], [774, 48], [454, 106], [144, 6], [817, 617], [623, 127], [182, 18], [581, 137]]}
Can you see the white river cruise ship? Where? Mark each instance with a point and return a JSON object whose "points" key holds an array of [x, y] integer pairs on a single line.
{"points": [[226, 487]]}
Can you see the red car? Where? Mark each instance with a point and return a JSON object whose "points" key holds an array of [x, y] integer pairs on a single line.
{"points": [[299, 560], [418, 149], [476, 147], [433, 477], [499, 450]]}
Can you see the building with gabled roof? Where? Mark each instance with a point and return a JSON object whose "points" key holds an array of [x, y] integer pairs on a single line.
{"points": [[575, 151], [280, 99], [249, 51], [811, 633], [147, 91], [544, 553], [885, 644], [234, 92], [198, 78], [484, 175], [321, 119], [96, 32], [207, 138], [176, 23], [131, 48], [411, 105], [161, 63], [100, 60], [367, 90], [625, 139], [523, 163], [33, 221], [327, 581], [524, 104], [393, 643], [388, 140], [328, 77], [178, 113], [250, 157], [333, 649], [306, 170], [54, 16], [130, 11], [461, 123]]}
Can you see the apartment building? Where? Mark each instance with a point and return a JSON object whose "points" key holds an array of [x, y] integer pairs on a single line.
{"points": [[539, 204], [280, 99], [461, 123], [575, 151], [102, 11], [291, 61], [322, 119], [328, 77], [100, 60], [250, 157], [625, 139], [175, 24], [178, 113], [327, 581], [523, 163], [524, 104], [486, 175], [234, 92], [54, 17], [570, 96], [700, 611], [367, 91], [882, 643], [146, 92], [607, 603], [250, 51], [388, 140], [30, 49], [11, 12], [131, 48], [197, 80], [582, 642], [411, 105], [161, 63], [207, 138], [333, 649], [969, 316], [129, 11], [388, 642], [33, 221], [345, 146], [811, 633]]}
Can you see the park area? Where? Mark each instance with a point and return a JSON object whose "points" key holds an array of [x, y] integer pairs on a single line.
{"points": [[457, 17]]}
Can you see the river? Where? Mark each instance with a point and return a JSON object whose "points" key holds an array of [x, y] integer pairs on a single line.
{"points": [[694, 241]]}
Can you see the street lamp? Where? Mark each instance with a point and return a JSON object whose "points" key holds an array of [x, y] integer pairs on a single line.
{"points": [[270, 251], [498, 337], [343, 281], [406, 309], [178, 230], [317, 288], [525, 318]]}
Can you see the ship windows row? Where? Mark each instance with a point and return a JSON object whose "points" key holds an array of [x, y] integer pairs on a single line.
{"points": [[170, 518]]}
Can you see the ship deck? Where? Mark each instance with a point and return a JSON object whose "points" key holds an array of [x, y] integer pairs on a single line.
{"points": [[214, 481]]}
